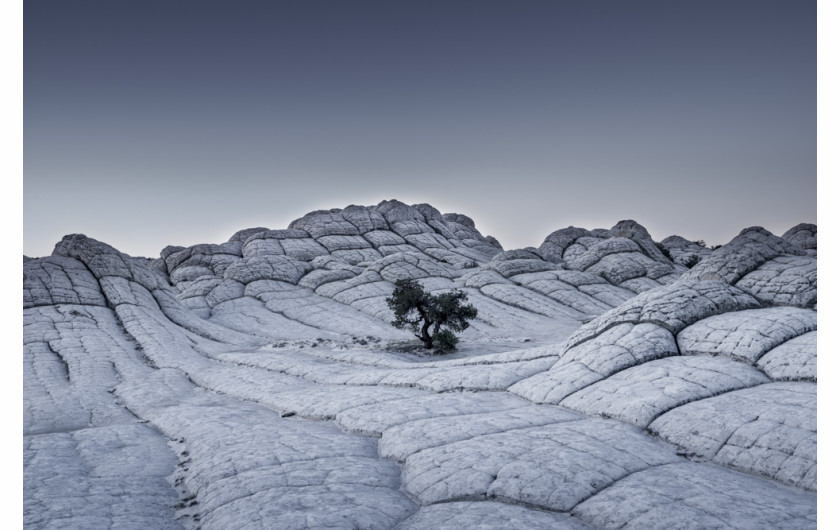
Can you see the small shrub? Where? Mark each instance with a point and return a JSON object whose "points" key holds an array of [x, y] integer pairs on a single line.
{"points": [[691, 260], [715, 247], [700, 242], [664, 250], [444, 341]]}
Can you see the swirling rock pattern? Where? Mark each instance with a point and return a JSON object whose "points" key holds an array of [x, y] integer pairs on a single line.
{"points": [[258, 383]]}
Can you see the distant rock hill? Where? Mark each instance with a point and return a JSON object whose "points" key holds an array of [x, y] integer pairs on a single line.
{"points": [[209, 364]]}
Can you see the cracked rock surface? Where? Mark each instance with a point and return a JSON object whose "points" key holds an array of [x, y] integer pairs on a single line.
{"points": [[258, 383]]}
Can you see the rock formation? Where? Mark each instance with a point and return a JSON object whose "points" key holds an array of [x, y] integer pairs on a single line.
{"points": [[259, 383]]}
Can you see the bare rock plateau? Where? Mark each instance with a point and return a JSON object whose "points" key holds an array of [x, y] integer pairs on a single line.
{"points": [[609, 381]]}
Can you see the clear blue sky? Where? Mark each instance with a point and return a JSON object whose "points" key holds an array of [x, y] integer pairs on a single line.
{"points": [[159, 122]]}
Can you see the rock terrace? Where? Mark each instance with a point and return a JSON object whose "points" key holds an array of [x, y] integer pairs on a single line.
{"points": [[258, 383]]}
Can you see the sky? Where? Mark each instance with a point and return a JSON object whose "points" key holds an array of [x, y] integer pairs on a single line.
{"points": [[153, 123]]}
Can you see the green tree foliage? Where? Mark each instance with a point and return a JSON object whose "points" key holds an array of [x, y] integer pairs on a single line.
{"points": [[663, 250], [691, 260], [425, 314]]}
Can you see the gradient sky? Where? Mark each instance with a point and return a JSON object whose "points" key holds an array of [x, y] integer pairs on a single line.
{"points": [[162, 122]]}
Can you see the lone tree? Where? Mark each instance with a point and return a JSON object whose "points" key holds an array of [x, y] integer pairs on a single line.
{"points": [[418, 310]]}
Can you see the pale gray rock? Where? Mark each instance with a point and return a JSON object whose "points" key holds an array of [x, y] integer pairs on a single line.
{"points": [[364, 219], [556, 243], [58, 280], [215, 258], [198, 262], [640, 285], [292, 242], [803, 235], [251, 316], [401, 441], [697, 496], [586, 247], [429, 212], [190, 273], [528, 300], [553, 467], [494, 242], [403, 219], [307, 308], [487, 377], [480, 253], [366, 285], [455, 257], [632, 230], [262, 247], [245, 234], [303, 249], [746, 335], [583, 291], [101, 259], [611, 295], [319, 277], [512, 267], [428, 241], [246, 465], [625, 255], [618, 268], [481, 277], [487, 515], [270, 267], [463, 228], [174, 255], [566, 287], [292, 395], [106, 477], [598, 252], [459, 218], [621, 347], [325, 223], [360, 257], [380, 238], [333, 243], [164, 343], [372, 420], [436, 220], [387, 250], [225, 291], [673, 307], [521, 253], [72, 355], [769, 430], [198, 289], [639, 394], [120, 291], [785, 280], [556, 384], [410, 265], [176, 313], [252, 356], [794, 360], [618, 348], [745, 253], [332, 263], [682, 250]]}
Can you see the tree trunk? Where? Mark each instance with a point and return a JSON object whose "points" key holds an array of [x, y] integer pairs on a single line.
{"points": [[427, 340]]}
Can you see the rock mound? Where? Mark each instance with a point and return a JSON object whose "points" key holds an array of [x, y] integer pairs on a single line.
{"points": [[262, 377]]}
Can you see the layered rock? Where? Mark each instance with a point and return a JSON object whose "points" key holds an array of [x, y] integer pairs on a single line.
{"points": [[261, 376], [683, 251]]}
